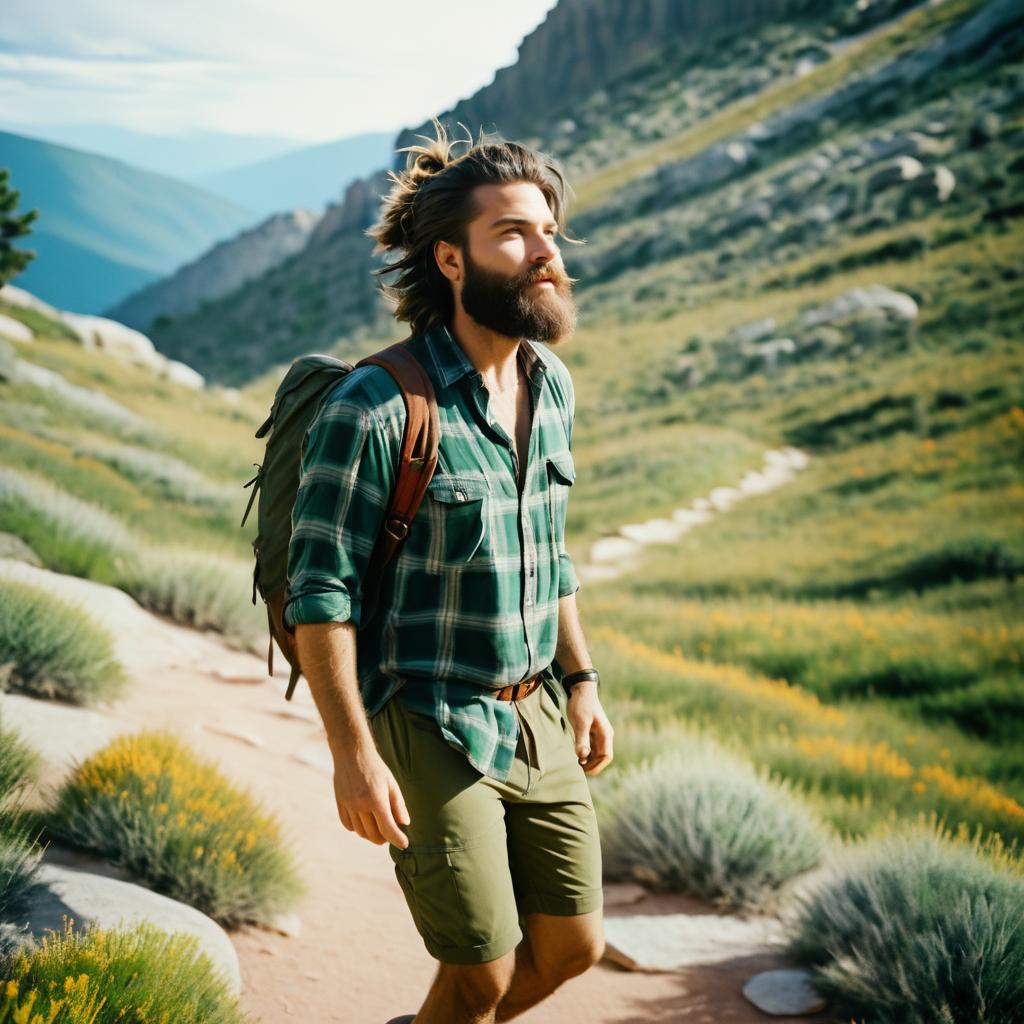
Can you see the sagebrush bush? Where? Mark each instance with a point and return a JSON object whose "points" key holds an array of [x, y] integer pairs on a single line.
{"points": [[205, 591], [700, 821], [163, 474], [51, 648], [149, 804], [19, 852], [917, 928], [100, 976], [69, 534]]}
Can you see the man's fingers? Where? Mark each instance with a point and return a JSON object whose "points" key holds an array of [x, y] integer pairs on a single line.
{"points": [[346, 818], [371, 831]]}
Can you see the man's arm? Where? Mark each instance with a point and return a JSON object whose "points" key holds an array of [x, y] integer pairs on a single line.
{"points": [[369, 800], [590, 724]]}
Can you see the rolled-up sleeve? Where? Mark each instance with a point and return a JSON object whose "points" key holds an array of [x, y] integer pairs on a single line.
{"points": [[345, 480]]}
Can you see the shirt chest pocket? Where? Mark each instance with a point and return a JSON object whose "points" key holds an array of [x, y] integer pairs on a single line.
{"points": [[456, 507], [561, 474]]}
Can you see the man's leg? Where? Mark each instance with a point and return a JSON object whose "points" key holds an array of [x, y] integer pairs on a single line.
{"points": [[555, 949], [467, 993]]}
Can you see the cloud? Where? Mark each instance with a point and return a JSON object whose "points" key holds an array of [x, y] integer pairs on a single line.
{"points": [[312, 69]]}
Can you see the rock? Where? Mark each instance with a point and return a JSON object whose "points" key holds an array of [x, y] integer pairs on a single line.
{"points": [[62, 733], [753, 330], [612, 549], [179, 373], [858, 300], [108, 902], [26, 300], [670, 942], [722, 498], [654, 531], [97, 332], [14, 330], [901, 170], [784, 993]]}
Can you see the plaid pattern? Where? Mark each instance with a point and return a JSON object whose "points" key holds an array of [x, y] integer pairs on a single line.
{"points": [[470, 602]]}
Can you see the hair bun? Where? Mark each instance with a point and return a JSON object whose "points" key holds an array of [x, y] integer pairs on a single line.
{"points": [[431, 163]]}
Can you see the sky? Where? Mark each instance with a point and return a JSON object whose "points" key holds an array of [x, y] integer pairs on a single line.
{"points": [[309, 70]]}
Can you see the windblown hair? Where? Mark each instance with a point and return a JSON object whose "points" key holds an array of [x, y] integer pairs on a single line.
{"points": [[432, 200]]}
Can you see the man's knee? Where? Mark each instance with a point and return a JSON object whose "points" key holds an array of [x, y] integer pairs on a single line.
{"points": [[563, 948], [481, 986]]}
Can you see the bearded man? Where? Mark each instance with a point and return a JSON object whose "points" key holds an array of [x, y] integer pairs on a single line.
{"points": [[453, 737]]}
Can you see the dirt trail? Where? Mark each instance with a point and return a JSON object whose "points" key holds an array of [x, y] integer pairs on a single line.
{"points": [[358, 958]]}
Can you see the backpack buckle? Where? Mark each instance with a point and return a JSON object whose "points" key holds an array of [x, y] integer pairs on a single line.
{"points": [[397, 527]]}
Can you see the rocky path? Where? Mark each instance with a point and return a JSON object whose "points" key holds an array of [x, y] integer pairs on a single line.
{"points": [[350, 952]]}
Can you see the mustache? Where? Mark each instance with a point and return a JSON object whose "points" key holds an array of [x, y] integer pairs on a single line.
{"points": [[559, 278]]}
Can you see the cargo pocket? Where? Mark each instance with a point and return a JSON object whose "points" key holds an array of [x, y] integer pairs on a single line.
{"points": [[428, 882], [456, 510]]}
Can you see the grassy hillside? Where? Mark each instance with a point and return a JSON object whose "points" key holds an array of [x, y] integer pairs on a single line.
{"points": [[858, 631]]}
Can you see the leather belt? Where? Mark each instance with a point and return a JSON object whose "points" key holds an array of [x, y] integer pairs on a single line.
{"points": [[517, 691]]}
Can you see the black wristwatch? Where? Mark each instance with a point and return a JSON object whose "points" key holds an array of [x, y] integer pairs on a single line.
{"points": [[569, 681]]}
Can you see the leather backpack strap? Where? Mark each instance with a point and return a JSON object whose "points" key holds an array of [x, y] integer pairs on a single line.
{"points": [[417, 458]]}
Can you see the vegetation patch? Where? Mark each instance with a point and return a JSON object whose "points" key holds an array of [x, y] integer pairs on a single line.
{"points": [[103, 976], [19, 854], [706, 823], [150, 805], [917, 928], [51, 648]]}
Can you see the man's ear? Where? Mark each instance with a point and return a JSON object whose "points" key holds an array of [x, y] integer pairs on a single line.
{"points": [[449, 260]]}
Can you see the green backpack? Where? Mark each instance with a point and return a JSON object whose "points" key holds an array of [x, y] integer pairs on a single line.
{"points": [[298, 398]]}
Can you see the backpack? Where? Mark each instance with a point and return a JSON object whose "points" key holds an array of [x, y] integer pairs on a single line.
{"points": [[297, 400]]}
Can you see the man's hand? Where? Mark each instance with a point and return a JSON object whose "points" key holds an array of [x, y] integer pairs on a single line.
{"points": [[591, 727], [369, 800]]}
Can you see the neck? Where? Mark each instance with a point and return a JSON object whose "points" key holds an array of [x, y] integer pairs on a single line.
{"points": [[493, 354]]}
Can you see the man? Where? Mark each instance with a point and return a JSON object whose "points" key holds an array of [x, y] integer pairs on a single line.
{"points": [[477, 785]]}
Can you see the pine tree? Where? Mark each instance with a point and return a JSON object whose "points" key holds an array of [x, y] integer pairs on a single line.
{"points": [[12, 225]]}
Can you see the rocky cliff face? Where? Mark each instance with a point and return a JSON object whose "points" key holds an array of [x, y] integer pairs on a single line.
{"points": [[582, 45], [218, 272]]}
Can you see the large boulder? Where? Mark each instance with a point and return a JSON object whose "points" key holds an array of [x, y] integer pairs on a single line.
{"points": [[14, 330], [92, 899], [859, 300], [97, 332]]}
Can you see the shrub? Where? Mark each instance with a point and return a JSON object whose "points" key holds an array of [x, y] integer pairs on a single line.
{"points": [[101, 976], [151, 806], [703, 822], [917, 928], [70, 535], [162, 474], [206, 591], [54, 649], [19, 854]]}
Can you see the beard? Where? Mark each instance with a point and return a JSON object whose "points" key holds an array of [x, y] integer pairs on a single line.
{"points": [[509, 306]]}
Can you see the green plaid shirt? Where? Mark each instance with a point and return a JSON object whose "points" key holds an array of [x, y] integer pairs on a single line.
{"points": [[470, 602]]}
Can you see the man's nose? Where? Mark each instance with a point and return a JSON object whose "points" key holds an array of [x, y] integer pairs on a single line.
{"points": [[545, 249]]}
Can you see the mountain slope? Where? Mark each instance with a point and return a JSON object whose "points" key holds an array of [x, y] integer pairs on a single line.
{"points": [[227, 266], [140, 225]]}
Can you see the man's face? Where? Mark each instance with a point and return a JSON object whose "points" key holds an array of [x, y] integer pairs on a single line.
{"points": [[510, 248]]}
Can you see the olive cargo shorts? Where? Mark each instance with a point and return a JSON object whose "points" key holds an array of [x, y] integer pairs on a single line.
{"points": [[484, 853]]}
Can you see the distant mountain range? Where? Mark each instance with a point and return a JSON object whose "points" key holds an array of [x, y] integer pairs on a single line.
{"points": [[105, 228], [310, 177], [108, 229]]}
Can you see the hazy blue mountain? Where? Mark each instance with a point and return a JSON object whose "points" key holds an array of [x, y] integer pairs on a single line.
{"points": [[106, 228], [310, 177], [186, 155]]}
